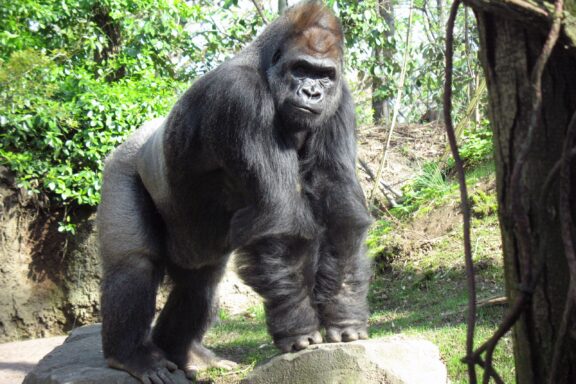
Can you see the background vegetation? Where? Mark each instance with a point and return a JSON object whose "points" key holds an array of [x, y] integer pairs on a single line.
{"points": [[77, 76]]}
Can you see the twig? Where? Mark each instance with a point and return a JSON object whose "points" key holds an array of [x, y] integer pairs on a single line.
{"points": [[397, 103], [383, 186], [260, 10], [496, 300], [372, 177], [463, 192], [470, 108]]}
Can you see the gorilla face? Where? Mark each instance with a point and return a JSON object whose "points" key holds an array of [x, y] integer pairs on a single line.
{"points": [[305, 86]]}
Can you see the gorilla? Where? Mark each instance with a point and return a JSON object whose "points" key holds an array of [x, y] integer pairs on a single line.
{"points": [[257, 157]]}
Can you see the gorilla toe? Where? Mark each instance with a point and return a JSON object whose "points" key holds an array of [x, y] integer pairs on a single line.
{"points": [[299, 342], [148, 368], [346, 334]]}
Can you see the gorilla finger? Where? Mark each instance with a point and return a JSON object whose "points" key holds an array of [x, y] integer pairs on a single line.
{"points": [[165, 376], [333, 335], [284, 345], [190, 374], [155, 378], [315, 338], [363, 334], [349, 334], [145, 380], [170, 365], [301, 343]]}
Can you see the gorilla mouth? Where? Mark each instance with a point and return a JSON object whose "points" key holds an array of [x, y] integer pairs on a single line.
{"points": [[305, 109]]}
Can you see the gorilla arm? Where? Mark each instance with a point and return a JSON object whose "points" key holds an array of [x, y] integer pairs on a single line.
{"points": [[275, 230], [343, 268], [264, 166]]}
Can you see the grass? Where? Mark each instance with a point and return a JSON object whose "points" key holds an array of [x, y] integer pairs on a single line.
{"points": [[425, 295], [419, 282]]}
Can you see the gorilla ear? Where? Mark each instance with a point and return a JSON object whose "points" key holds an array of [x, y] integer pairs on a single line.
{"points": [[277, 56]]}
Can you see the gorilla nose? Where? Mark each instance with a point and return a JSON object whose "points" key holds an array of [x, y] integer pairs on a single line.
{"points": [[311, 94]]}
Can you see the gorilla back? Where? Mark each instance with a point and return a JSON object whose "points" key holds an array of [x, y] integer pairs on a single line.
{"points": [[257, 157]]}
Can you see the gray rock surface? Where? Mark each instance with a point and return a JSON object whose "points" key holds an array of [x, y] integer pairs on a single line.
{"points": [[79, 361], [396, 360]]}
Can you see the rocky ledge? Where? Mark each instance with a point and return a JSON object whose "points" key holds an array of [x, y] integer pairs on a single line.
{"points": [[393, 360]]}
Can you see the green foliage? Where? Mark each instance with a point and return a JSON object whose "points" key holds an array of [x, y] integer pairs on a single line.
{"points": [[370, 44], [77, 76], [376, 41], [428, 189], [483, 204], [476, 146], [373, 241], [59, 123]]}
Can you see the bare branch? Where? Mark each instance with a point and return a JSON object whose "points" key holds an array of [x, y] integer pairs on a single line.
{"points": [[260, 10], [463, 193], [396, 104]]}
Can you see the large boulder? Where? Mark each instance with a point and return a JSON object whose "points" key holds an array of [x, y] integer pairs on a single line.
{"points": [[80, 361], [396, 360]]}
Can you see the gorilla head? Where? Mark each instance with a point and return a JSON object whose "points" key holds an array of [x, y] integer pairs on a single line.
{"points": [[305, 69]]}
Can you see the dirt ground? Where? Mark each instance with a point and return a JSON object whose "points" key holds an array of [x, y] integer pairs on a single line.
{"points": [[411, 146], [19, 357]]}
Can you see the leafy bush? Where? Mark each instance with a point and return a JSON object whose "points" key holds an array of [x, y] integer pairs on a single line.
{"points": [[57, 133], [428, 187], [477, 146], [77, 76]]}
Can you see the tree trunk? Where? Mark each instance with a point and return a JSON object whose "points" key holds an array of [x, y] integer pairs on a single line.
{"points": [[509, 49], [282, 4], [381, 105]]}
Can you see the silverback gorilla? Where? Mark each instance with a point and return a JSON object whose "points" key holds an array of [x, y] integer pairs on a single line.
{"points": [[257, 157]]}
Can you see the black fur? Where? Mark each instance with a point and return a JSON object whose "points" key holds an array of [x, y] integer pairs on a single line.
{"points": [[237, 165]]}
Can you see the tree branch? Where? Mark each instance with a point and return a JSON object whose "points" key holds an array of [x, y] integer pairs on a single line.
{"points": [[260, 10], [463, 193], [529, 11]]}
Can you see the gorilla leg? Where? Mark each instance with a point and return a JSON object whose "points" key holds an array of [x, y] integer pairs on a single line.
{"points": [[343, 273], [128, 303], [130, 235], [281, 270], [186, 316]]}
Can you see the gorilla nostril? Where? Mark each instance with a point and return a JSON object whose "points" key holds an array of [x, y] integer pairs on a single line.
{"points": [[312, 93]]}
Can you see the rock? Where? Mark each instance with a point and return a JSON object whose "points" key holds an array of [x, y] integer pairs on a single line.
{"points": [[396, 360], [80, 360]]}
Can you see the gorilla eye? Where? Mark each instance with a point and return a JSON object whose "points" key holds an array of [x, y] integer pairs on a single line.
{"points": [[329, 73], [305, 69], [276, 57]]}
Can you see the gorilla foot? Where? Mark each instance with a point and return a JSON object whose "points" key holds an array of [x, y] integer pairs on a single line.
{"points": [[150, 367], [298, 342], [200, 358], [335, 334]]}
